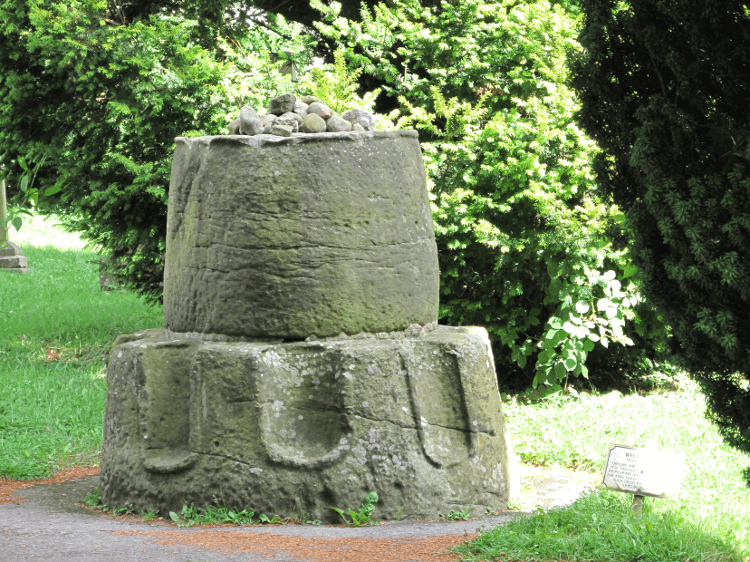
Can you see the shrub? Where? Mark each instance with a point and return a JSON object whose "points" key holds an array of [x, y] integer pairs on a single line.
{"points": [[665, 94], [527, 246]]}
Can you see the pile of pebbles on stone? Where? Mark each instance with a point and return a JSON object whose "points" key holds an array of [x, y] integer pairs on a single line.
{"points": [[287, 115]]}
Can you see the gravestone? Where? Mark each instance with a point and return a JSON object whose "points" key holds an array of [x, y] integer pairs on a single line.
{"points": [[301, 365], [12, 259]]}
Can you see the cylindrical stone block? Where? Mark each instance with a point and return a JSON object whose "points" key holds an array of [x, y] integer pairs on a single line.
{"points": [[316, 234]]}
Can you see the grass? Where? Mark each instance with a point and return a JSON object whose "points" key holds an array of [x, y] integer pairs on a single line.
{"points": [[710, 520], [57, 327], [56, 331]]}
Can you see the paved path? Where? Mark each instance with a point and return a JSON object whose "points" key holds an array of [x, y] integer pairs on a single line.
{"points": [[50, 526]]}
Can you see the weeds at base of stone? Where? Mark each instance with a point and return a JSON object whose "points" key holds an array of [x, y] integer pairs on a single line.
{"points": [[462, 515], [148, 515], [190, 515], [400, 512], [127, 510], [361, 517]]}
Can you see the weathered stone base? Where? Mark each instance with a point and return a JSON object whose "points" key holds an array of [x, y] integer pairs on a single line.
{"points": [[293, 428], [11, 258]]}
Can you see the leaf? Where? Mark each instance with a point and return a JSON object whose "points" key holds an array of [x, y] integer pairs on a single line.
{"points": [[173, 516], [522, 361], [368, 504], [585, 373], [22, 163], [52, 190], [609, 275], [582, 307], [336, 509], [589, 345], [560, 371], [570, 363], [570, 328], [17, 222], [24, 183]]}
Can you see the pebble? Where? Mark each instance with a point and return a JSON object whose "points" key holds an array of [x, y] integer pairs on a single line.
{"points": [[287, 115], [338, 124], [282, 104], [313, 123], [250, 122]]}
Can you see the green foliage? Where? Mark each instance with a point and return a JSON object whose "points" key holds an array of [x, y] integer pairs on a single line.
{"points": [[28, 195], [665, 93], [527, 246], [456, 515], [337, 86], [566, 431], [190, 515], [56, 331], [361, 517], [102, 96], [92, 499], [600, 527]]}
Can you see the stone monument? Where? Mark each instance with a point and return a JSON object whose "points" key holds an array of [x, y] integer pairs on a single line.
{"points": [[11, 257], [301, 365]]}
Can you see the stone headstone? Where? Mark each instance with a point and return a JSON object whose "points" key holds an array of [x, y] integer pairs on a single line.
{"points": [[12, 259]]}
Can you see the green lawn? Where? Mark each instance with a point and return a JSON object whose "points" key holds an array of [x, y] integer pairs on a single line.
{"points": [[57, 327], [709, 521], [56, 330]]}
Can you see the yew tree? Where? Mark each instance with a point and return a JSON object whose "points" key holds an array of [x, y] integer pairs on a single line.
{"points": [[665, 91]]}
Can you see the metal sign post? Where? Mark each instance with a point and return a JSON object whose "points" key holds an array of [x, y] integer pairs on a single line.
{"points": [[643, 472]]}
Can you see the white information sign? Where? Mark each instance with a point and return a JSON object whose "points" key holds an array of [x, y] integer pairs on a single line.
{"points": [[644, 472]]}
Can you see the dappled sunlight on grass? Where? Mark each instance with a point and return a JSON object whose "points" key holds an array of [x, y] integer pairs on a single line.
{"points": [[56, 330], [575, 432], [40, 232]]}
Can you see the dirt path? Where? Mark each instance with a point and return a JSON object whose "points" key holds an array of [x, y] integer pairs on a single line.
{"points": [[41, 521]]}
